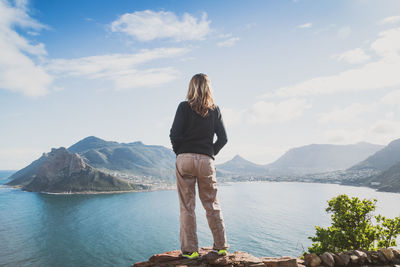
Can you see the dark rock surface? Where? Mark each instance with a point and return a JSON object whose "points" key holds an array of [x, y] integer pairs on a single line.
{"points": [[210, 258]]}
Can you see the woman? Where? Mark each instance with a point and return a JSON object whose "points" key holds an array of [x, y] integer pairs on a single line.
{"points": [[196, 121]]}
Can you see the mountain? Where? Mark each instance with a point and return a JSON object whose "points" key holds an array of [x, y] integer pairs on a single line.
{"points": [[25, 175], [91, 142], [316, 158], [239, 165], [155, 163], [60, 171], [382, 159], [388, 180], [150, 164]]}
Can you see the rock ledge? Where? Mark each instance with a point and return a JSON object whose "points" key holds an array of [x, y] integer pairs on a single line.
{"points": [[208, 258]]}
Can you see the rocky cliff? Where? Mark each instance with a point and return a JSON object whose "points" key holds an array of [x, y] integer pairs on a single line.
{"points": [[60, 171], [151, 163]]}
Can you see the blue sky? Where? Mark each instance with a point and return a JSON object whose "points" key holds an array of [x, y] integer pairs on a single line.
{"points": [[284, 73]]}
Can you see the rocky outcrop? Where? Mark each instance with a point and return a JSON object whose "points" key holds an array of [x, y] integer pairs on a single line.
{"points": [[60, 171], [210, 258], [382, 257], [155, 163], [385, 257]]}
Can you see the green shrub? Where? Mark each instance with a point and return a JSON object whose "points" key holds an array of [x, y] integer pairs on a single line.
{"points": [[352, 227], [388, 230]]}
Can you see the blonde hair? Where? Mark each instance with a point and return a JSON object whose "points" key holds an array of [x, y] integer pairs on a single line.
{"points": [[199, 95]]}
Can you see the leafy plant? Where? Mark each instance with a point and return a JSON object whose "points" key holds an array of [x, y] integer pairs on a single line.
{"points": [[387, 231], [352, 227]]}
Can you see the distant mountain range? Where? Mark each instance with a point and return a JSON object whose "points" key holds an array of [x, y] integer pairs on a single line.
{"points": [[359, 164], [315, 158], [61, 171], [240, 166], [139, 164]]}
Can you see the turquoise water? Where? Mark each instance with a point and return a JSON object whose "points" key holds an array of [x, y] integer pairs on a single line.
{"points": [[266, 219]]}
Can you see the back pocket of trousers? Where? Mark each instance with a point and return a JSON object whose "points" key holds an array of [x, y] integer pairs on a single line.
{"points": [[185, 166]]}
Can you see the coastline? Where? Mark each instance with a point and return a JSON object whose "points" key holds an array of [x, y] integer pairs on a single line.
{"points": [[314, 182], [92, 192], [173, 187]]}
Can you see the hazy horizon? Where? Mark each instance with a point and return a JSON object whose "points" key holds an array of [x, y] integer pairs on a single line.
{"points": [[284, 73]]}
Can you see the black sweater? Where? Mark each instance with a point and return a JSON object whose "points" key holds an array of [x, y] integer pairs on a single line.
{"points": [[191, 133]]}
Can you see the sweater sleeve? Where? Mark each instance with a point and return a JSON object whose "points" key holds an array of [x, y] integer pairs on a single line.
{"points": [[222, 139], [176, 132]]}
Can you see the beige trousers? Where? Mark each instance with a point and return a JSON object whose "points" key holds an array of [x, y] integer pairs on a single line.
{"points": [[192, 167]]}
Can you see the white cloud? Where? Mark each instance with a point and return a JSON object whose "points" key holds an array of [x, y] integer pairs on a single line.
{"points": [[228, 42], [385, 130], [385, 127], [344, 32], [305, 25], [388, 45], [346, 114], [121, 69], [344, 136], [371, 76], [392, 98], [380, 132], [354, 56], [18, 71], [148, 25], [264, 112], [144, 78], [101, 65], [389, 20], [374, 75], [232, 117]]}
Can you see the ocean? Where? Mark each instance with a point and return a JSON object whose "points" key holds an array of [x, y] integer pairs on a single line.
{"points": [[263, 218]]}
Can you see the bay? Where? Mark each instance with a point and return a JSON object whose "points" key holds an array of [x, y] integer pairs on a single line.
{"points": [[263, 218]]}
